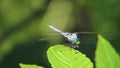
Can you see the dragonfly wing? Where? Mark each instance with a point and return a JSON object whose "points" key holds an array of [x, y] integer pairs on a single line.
{"points": [[50, 38], [44, 39], [87, 32]]}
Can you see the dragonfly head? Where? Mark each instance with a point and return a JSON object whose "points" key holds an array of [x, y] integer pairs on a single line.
{"points": [[77, 42]]}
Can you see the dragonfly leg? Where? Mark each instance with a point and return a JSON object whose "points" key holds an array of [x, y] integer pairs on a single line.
{"points": [[75, 46]]}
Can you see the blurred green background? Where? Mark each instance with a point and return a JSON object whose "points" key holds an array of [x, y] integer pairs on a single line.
{"points": [[24, 22]]}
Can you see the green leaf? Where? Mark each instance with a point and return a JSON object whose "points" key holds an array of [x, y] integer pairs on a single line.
{"points": [[29, 66], [106, 56], [61, 56]]}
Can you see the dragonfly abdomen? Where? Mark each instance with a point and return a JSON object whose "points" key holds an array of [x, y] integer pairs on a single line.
{"points": [[55, 29]]}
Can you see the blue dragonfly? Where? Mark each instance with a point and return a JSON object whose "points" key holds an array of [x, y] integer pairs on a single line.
{"points": [[71, 37]]}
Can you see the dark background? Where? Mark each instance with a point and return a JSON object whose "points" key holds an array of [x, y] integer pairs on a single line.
{"points": [[24, 22]]}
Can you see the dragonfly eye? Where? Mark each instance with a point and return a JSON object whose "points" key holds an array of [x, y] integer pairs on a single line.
{"points": [[78, 42]]}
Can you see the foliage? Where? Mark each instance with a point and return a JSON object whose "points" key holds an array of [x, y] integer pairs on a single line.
{"points": [[106, 56], [61, 56], [24, 22], [29, 66], [64, 57]]}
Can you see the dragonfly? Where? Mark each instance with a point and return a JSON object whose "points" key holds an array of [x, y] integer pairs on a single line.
{"points": [[71, 37]]}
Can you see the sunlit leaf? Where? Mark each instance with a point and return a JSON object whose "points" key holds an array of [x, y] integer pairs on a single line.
{"points": [[29, 66], [64, 57], [106, 56]]}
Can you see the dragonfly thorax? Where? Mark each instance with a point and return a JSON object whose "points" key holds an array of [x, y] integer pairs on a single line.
{"points": [[72, 37]]}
